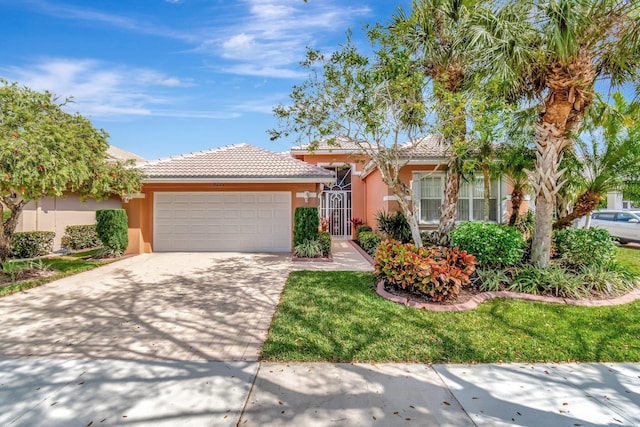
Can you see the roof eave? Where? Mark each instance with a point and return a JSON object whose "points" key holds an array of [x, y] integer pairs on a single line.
{"points": [[238, 180]]}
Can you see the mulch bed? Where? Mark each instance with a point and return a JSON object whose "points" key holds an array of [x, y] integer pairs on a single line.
{"points": [[25, 275], [466, 294]]}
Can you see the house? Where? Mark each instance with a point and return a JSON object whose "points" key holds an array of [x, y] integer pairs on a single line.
{"points": [[56, 213], [233, 198], [359, 191], [243, 198]]}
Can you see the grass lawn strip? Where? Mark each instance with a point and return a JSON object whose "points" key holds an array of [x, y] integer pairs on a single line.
{"points": [[65, 265], [337, 317]]}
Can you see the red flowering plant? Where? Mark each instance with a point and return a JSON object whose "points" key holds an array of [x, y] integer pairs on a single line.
{"points": [[436, 272]]}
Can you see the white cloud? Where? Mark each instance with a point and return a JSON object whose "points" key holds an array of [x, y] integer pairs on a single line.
{"points": [[72, 12], [104, 90], [272, 38]]}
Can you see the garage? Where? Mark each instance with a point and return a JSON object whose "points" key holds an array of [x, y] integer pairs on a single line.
{"points": [[222, 221], [236, 198]]}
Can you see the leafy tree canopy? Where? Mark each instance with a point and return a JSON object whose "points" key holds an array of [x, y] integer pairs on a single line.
{"points": [[45, 151]]}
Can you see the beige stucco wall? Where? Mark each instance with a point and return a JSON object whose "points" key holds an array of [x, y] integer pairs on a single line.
{"points": [[55, 213]]}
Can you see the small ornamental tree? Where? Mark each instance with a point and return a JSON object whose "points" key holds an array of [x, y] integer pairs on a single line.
{"points": [[45, 151], [372, 101]]}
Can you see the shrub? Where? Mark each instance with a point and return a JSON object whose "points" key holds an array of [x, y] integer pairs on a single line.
{"points": [[394, 226], [30, 244], [437, 272], [308, 249], [324, 237], [360, 229], [80, 237], [112, 229], [305, 225], [493, 245], [490, 279], [611, 281], [5, 215], [577, 247], [369, 241]]}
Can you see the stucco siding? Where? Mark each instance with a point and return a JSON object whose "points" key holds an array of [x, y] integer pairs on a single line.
{"points": [[56, 213]]}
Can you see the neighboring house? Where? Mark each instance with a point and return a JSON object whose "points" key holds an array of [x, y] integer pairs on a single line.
{"points": [[360, 192], [56, 213], [233, 198]]}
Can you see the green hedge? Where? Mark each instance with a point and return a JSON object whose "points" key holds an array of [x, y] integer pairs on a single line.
{"points": [[305, 225], [324, 237], [577, 247], [360, 229], [493, 245], [31, 244], [112, 229], [78, 237], [369, 241]]}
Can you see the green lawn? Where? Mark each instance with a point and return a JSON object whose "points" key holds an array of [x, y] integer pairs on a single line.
{"points": [[64, 266], [630, 258], [337, 317]]}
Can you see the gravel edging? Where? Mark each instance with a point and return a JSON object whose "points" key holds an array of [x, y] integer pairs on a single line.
{"points": [[485, 296]]}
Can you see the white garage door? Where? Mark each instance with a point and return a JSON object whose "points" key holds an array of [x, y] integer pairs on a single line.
{"points": [[222, 221]]}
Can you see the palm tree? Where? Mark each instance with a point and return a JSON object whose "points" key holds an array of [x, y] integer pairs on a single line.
{"points": [[513, 160], [553, 51], [440, 36], [609, 157]]}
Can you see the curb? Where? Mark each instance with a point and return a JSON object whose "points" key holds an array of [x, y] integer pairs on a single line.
{"points": [[485, 296]]}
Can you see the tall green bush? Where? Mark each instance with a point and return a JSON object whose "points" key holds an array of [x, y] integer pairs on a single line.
{"points": [[112, 229], [578, 247], [305, 225], [493, 245]]}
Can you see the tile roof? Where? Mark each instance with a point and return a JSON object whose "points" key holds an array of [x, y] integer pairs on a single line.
{"points": [[338, 144], [428, 146], [116, 153], [242, 161]]}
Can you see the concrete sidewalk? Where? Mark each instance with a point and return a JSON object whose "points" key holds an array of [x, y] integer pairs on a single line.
{"points": [[45, 392]]}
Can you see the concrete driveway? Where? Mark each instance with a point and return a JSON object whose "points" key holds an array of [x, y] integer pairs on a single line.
{"points": [[157, 339], [178, 306]]}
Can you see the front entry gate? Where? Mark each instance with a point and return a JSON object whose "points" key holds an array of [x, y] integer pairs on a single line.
{"points": [[335, 207]]}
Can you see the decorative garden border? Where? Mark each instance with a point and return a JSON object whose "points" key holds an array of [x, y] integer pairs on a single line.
{"points": [[485, 296]]}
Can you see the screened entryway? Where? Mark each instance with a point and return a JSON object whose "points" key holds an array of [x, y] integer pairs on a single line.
{"points": [[335, 203]]}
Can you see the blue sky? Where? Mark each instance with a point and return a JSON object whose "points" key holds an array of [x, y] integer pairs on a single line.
{"points": [[165, 77]]}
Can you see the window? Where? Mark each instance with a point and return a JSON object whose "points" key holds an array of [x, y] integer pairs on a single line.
{"points": [[429, 190], [625, 217], [430, 195], [604, 216]]}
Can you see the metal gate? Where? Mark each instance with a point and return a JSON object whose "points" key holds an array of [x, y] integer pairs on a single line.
{"points": [[335, 206]]}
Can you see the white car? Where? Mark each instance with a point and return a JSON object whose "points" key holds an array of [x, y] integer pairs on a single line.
{"points": [[624, 225]]}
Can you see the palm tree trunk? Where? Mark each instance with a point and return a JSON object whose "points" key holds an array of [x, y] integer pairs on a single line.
{"points": [[516, 202], [585, 204], [487, 191], [448, 210], [545, 181]]}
